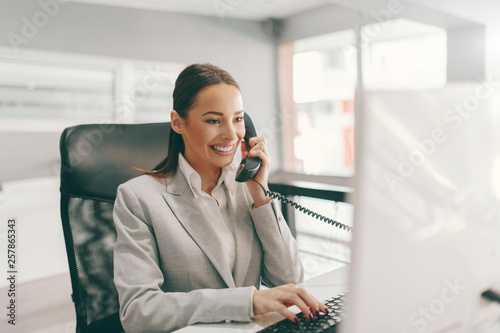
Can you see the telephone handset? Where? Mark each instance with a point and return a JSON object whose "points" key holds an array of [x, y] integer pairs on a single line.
{"points": [[250, 166]]}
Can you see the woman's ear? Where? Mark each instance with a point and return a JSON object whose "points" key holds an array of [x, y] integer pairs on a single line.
{"points": [[176, 122]]}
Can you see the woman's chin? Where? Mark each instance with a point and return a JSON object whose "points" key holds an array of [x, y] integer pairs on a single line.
{"points": [[223, 161]]}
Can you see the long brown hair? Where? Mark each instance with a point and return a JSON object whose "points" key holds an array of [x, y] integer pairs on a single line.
{"points": [[187, 86]]}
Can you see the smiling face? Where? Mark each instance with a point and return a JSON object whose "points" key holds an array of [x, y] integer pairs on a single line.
{"points": [[213, 128]]}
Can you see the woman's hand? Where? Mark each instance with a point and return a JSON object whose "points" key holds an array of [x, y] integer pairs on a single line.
{"points": [[258, 148], [280, 298]]}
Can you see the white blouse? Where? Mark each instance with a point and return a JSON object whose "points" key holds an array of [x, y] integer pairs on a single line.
{"points": [[215, 205]]}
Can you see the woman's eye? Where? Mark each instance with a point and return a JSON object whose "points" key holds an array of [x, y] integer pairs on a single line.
{"points": [[212, 121], [238, 119]]}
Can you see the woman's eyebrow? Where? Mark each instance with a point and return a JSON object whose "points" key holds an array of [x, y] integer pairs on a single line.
{"points": [[213, 112], [219, 113]]}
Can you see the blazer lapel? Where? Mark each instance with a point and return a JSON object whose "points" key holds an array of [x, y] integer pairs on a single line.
{"points": [[186, 208], [243, 237]]}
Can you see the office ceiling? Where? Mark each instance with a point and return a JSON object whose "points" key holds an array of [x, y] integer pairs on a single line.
{"points": [[242, 9], [484, 11]]}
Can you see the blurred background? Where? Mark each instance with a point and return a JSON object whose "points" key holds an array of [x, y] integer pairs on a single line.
{"points": [[299, 63]]}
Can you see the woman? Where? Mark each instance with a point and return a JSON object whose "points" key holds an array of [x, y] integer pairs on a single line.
{"points": [[192, 244]]}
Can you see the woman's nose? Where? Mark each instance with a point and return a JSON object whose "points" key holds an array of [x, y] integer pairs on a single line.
{"points": [[229, 132]]}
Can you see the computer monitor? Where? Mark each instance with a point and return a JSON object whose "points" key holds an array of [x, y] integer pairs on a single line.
{"points": [[426, 239]]}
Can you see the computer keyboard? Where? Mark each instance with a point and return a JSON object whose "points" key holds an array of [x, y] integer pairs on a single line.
{"points": [[324, 323]]}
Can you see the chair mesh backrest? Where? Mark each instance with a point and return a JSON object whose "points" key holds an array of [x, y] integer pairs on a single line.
{"points": [[94, 236], [95, 160]]}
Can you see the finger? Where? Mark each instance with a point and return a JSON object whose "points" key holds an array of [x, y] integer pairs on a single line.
{"points": [[310, 300], [313, 302], [255, 140], [295, 299], [244, 150], [259, 150], [260, 154], [321, 307], [283, 310], [261, 146]]}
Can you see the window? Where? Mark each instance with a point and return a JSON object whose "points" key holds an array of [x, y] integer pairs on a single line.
{"points": [[319, 138], [144, 92], [41, 93], [318, 78], [323, 247], [34, 91], [50, 90]]}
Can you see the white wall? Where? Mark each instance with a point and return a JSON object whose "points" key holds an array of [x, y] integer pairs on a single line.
{"points": [[466, 54]]}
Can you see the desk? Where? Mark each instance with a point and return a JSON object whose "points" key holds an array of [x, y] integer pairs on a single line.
{"points": [[322, 287]]}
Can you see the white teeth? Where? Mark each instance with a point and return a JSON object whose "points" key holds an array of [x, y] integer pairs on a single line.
{"points": [[223, 148]]}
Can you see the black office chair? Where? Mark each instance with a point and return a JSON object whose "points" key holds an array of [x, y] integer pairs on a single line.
{"points": [[95, 159]]}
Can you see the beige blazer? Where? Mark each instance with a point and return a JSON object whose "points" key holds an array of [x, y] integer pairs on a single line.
{"points": [[167, 264]]}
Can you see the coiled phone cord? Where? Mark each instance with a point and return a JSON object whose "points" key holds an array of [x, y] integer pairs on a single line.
{"points": [[303, 209]]}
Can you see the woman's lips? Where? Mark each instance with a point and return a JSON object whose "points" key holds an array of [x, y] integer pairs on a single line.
{"points": [[223, 150]]}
